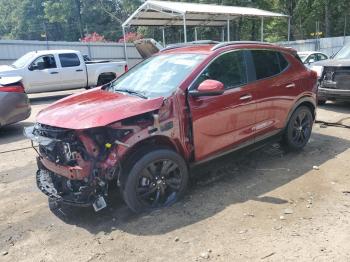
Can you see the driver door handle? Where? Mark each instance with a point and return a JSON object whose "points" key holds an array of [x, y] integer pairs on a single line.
{"points": [[52, 73], [246, 97]]}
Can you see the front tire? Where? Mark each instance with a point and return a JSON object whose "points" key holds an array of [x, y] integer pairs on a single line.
{"points": [[299, 129], [156, 179]]}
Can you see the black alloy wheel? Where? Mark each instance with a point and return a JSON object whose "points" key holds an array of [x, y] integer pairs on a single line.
{"points": [[158, 179], [159, 182], [299, 128]]}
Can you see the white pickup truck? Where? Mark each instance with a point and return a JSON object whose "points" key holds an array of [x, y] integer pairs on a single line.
{"points": [[54, 70]]}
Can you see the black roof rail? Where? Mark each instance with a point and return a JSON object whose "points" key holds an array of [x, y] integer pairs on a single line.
{"points": [[199, 42], [223, 44]]}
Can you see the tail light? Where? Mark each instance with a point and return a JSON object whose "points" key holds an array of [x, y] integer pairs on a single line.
{"points": [[12, 88], [126, 68]]}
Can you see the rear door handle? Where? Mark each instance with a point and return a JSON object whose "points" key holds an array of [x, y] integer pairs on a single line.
{"points": [[52, 73], [79, 70], [291, 85], [246, 97]]}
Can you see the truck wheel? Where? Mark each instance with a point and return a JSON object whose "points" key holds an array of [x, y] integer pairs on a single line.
{"points": [[299, 129], [105, 78], [156, 179]]}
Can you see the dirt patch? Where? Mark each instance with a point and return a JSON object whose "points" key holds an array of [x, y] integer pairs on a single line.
{"points": [[265, 206]]}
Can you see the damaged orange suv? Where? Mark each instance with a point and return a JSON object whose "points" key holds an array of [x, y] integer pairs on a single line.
{"points": [[185, 105]]}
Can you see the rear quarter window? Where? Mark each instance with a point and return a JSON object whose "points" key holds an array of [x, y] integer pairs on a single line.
{"points": [[69, 60], [297, 57], [268, 63], [283, 62]]}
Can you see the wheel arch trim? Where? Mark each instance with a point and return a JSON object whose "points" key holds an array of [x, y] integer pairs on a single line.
{"points": [[305, 100]]}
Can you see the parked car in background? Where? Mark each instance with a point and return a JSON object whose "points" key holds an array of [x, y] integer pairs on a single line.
{"points": [[14, 102], [183, 106], [55, 70], [334, 77], [310, 57]]}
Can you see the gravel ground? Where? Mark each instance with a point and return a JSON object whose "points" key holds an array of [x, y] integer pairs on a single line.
{"points": [[264, 206]]}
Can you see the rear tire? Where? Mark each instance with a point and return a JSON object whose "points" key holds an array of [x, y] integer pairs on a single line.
{"points": [[298, 130], [156, 179], [105, 79]]}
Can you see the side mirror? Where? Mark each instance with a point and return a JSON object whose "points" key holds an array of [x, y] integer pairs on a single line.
{"points": [[208, 88], [33, 67]]}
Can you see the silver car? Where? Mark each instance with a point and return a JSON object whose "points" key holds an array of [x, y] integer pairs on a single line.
{"points": [[309, 57], [14, 102]]}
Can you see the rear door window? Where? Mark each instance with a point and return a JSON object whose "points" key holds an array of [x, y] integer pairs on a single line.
{"points": [[268, 63], [283, 62], [69, 60], [229, 68]]}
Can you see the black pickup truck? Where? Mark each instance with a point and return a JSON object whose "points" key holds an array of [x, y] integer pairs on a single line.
{"points": [[334, 77]]}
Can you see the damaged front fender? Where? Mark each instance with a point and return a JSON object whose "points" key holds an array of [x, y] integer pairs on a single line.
{"points": [[80, 163]]}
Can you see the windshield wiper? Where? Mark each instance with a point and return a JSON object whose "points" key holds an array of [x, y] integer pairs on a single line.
{"points": [[131, 92]]}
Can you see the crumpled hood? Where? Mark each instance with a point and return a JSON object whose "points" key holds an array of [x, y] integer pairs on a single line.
{"points": [[6, 69], [333, 62], [95, 108]]}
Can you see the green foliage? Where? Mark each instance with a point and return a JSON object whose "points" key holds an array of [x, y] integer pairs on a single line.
{"points": [[71, 20]]}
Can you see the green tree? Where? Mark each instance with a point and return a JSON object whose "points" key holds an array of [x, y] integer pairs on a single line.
{"points": [[70, 20]]}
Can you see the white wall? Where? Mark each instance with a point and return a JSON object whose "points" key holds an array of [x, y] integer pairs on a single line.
{"points": [[328, 46], [10, 50]]}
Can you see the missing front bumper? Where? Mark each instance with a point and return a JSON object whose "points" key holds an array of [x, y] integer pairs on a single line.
{"points": [[45, 183]]}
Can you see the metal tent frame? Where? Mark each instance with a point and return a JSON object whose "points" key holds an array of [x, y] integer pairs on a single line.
{"points": [[163, 14]]}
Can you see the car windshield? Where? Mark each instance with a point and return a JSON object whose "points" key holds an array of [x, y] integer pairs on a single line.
{"points": [[158, 76], [344, 53], [23, 60]]}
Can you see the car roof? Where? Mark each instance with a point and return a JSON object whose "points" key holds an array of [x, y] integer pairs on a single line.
{"points": [[309, 52], [51, 52], [214, 47]]}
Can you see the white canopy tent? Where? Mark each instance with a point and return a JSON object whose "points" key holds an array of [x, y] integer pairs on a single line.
{"points": [[163, 14]]}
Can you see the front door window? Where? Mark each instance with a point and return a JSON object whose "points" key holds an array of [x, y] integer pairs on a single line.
{"points": [[229, 68], [43, 62]]}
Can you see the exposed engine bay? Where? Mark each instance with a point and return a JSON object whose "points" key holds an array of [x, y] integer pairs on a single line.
{"points": [[77, 166]]}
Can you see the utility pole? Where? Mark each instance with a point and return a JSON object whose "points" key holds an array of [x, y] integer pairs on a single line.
{"points": [[317, 36], [78, 5], [46, 37], [344, 30]]}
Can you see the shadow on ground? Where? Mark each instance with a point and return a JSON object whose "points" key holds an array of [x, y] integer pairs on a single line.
{"points": [[47, 98], [13, 133], [216, 185], [338, 107]]}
